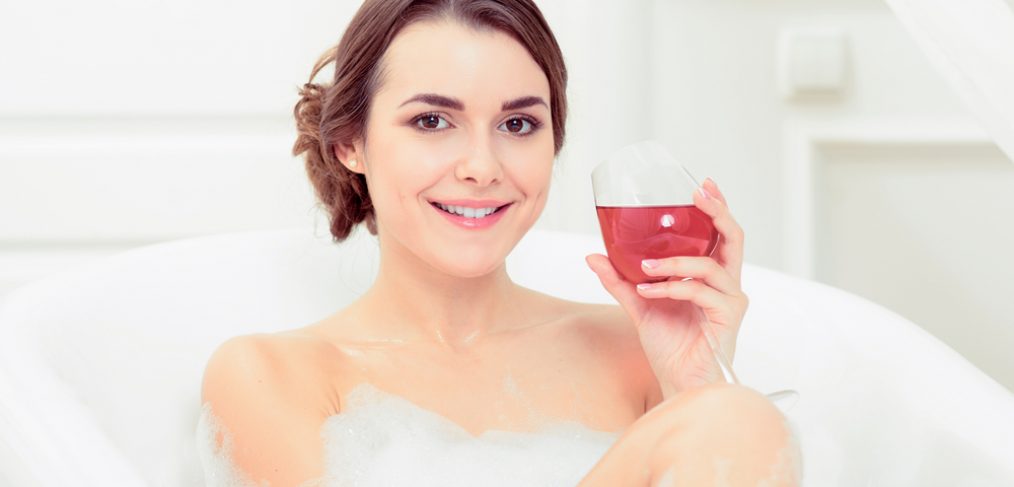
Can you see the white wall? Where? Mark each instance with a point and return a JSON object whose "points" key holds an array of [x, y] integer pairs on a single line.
{"points": [[125, 123], [850, 188]]}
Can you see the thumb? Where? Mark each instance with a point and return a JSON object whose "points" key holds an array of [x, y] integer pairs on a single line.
{"points": [[620, 289]]}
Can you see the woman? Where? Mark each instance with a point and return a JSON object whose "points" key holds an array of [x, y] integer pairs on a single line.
{"points": [[458, 106]]}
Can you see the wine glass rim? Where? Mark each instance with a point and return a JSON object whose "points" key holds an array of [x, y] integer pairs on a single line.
{"points": [[647, 151], [642, 174]]}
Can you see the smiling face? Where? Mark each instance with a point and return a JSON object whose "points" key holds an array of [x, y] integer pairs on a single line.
{"points": [[461, 116]]}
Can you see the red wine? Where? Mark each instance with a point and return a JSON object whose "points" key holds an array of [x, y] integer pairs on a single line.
{"points": [[632, 234]]}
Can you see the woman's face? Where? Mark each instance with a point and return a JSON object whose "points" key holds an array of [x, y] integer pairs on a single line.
{"points": [[442, 128]]}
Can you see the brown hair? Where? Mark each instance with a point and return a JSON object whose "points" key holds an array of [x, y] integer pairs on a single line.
{"points": [[327, 115]]}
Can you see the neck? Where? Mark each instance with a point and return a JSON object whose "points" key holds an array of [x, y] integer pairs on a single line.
{"points": [[415, 302]]}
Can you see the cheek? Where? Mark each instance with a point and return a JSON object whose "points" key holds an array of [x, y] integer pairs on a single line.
{"points": [[401, 172], [531, 165], [540, 176], [414, 162], [531, 175]]}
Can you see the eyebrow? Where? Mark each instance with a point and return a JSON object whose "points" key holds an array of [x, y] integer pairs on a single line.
{"points": [[455, 104]]}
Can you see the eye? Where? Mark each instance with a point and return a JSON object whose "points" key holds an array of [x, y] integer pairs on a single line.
{"points": [[520, 125], [430, 122]]}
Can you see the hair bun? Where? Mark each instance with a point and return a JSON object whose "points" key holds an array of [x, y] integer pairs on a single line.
{"points": [[307, 112], [343, 193]]}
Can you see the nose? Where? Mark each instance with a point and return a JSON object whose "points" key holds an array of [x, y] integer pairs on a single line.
{"points": [[480, 165]]}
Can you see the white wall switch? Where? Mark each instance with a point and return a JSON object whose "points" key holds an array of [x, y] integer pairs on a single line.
{"points": [[811, 61]]}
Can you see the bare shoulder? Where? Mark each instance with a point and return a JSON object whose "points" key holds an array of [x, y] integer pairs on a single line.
{"points": [[266, 398], [609, 318], [609, 329], [599, 321]]}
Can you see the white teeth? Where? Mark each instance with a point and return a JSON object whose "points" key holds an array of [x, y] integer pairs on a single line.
{"points": [[467, 212]]}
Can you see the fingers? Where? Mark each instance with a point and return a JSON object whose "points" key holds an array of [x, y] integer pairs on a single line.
{"points": [[730, 249], [712, 187], [697, 292], [702, 268], [620, 289]]}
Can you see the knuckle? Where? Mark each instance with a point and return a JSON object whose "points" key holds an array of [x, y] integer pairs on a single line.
{"points": [[694, 289], [675, 261], [736, 231]]}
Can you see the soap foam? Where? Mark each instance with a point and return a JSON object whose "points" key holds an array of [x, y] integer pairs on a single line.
{"points": [[384, 439], [216, 460], [381, 439]]}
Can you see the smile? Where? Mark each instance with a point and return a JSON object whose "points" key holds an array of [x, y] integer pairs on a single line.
{"points": [[471, 218], [468, 212]]}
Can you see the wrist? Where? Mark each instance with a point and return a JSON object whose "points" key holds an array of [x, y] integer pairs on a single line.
{"points": [[673, 388]]}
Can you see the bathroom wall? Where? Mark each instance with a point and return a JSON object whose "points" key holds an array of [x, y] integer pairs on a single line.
{"points": [[885, 187], [866, 173], [127, 123]]}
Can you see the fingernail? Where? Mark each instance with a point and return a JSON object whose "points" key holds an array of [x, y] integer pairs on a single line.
{"points": [[649, 263], [644, 285], [704, 192]]}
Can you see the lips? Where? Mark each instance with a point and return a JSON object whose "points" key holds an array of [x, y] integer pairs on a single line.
{"points": [[469, 211], [472, 222], [488, 203]]}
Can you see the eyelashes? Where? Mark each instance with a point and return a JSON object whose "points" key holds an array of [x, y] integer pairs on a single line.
{"points": [[441, 123], [430, 117]]}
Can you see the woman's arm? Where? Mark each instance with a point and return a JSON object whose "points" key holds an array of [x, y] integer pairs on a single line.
{"points": [[264, 414]]}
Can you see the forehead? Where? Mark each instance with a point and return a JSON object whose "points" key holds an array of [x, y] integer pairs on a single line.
{"points": [[480, 67]]}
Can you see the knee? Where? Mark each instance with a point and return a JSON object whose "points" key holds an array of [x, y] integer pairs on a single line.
{"points": [[725, 432], [720, 407], [723, 406]]}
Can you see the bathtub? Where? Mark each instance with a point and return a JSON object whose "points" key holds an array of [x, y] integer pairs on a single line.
{"points": [[100, 367]]}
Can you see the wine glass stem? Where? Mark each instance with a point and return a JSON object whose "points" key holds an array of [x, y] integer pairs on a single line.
{"points": [[716, 348]]}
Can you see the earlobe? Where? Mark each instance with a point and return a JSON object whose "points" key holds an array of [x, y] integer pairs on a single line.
{"points": [[348, 156]]}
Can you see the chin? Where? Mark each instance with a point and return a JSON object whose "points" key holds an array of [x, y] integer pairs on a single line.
{"points": [[468, 267], [476, 271]]}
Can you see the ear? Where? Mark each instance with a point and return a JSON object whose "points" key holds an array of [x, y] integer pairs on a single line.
{"points": [[346, 153]]}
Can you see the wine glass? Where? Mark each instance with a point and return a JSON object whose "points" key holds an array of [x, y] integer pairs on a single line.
{"points": [[645, 206]]}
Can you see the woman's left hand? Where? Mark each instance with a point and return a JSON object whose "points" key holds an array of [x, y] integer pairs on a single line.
{"points": [[664, 312]]}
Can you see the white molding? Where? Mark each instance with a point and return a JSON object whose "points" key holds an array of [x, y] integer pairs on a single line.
{"points": [[77, 188], [805, 146], [66, 180]]}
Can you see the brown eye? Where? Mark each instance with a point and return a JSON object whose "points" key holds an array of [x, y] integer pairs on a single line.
{"points": [[518, 126], [431, 122]]}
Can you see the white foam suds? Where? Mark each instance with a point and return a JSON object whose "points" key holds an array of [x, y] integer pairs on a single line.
{"points": [[384, 439], [219, 471], [381, 439]]}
